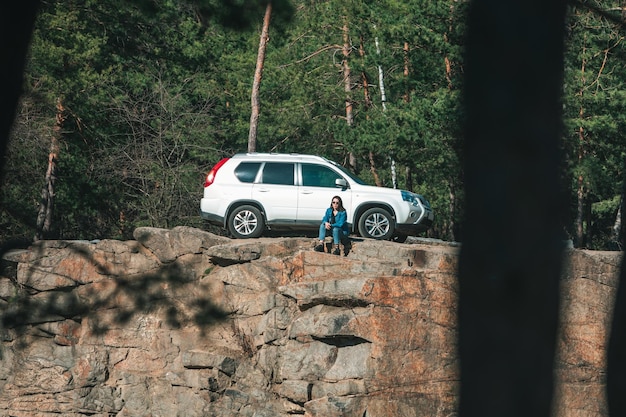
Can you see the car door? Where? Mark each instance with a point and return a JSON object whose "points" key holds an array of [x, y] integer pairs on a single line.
{"points": [[316, 190], [275, 189]]}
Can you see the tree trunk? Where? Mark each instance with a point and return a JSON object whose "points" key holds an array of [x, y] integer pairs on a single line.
{"points": [[373, 170], [580, 192], [617, 226], [367, 99], [258, 74], [588, 223], [510, 266], [448, 71], [46, 205], [366, 87], [451, 211], [352, 163], [409, 178], [381, 78], [347, 85], [451, 180], [446, 60], [616, 351], [16, 23], [580, 208], [407, 92], [383, 100]]}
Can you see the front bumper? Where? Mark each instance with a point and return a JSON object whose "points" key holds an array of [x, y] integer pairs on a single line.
{"points": [[417, 221], [414, 229]]}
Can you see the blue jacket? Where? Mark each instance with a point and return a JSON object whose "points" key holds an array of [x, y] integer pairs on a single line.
{"points": [[340, 219]]}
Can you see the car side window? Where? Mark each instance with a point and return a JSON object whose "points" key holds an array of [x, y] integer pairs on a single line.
{"points": [[246, 171], [318, 176], [278, 173]]}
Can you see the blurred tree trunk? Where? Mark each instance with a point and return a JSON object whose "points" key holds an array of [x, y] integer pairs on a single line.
{"points": [[46, 205], [258, 74], [16, 23], [510, 266]]}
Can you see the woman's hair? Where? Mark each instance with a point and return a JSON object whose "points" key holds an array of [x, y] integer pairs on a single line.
{"points": [[340, 208]]}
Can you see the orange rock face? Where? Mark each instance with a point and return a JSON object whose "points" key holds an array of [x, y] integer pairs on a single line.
{"points": [[182, 322]]}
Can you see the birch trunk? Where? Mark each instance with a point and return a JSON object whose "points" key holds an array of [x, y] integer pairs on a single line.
{"points": [[258, 74], [617, 226], [381, 78]]}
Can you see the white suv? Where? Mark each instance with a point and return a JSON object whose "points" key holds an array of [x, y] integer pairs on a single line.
{"points": [[248, 193]]}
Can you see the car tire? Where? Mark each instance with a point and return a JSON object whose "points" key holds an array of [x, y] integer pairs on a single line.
{"points": [[246, 222], [376, 223]]}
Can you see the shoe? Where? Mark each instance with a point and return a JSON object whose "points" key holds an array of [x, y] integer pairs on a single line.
{"points": [[319, 248], [336, 251]]}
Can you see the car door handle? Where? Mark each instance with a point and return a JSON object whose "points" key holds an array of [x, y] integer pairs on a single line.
{"points": [[307, 192]]}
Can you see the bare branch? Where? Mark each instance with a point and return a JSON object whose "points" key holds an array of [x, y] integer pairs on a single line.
{"points": [[319, 51]]}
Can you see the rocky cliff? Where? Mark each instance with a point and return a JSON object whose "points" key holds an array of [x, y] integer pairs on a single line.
{"points": [[185, 323]]}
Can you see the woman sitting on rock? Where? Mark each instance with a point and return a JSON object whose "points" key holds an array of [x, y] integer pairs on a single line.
{"points": [[335, 222]]}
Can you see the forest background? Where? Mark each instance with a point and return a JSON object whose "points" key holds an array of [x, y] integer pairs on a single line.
{"points": [[127, 105]]}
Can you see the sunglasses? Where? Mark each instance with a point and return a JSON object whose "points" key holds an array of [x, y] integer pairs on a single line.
{"points": [[335, 202]]}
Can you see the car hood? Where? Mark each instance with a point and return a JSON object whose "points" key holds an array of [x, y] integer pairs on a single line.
{"points": [[371, 189]]}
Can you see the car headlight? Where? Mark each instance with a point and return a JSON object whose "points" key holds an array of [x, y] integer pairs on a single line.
{"points": [[414, 199], [409, 197]]}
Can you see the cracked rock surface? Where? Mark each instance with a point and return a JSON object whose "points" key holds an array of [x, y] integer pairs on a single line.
{"points": [[182, 322]]}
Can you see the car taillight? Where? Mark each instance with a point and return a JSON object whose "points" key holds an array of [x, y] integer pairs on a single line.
{"points": [[210, 177]]}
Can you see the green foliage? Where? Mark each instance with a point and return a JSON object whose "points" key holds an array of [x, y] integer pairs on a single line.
{"points": [[594, 121], [156, 92]]}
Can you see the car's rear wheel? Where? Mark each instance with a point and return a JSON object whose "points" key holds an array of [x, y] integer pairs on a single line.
{"points": [[376, 223], [246, 222]]}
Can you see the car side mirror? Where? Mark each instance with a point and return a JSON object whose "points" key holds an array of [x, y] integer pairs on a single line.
{"points": [[340, 182]]}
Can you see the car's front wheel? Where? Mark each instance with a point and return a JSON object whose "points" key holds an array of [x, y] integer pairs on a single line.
{"points": [[246, 222], [376, 223]]}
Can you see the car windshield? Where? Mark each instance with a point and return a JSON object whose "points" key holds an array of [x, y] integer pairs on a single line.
{"points": [[349, 174]]}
